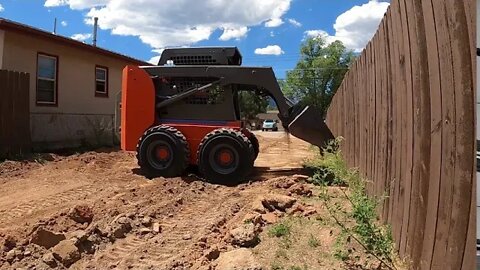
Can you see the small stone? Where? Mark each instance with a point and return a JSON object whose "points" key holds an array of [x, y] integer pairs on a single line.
{"points": [[187, 237], [309, 211], [45, 238], [49, 260], [147, 221], [245, 235], [300, 177], [144, 231], [9, 243], [270, 218], [301, 190], [212, 253], [27, 253], [258, 207], [238, 259], [11, 255], [81, 214], [156, 227], [66, 252], [296, 208], [120, 227], [278, 202], [254, 218]]}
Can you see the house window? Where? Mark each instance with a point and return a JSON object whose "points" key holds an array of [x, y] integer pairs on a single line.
{"points": [[47, 80], [101, 81]]}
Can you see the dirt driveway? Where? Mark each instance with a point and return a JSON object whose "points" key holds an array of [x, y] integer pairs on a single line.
{"points": [[130, 222]]}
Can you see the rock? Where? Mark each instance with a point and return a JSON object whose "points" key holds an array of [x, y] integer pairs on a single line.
{"points": [[9, 243], [301, 190], [278, 202], [156, 227], [45, 238], [66, 252], [254, 218], [258, 207], [187, 237], [144, 231], [212, 253], [297, 208], [77, 236], [245, 236], [11, 255], [81, 214], [27, 253], [269, 218], [283, 182], [238, 259], [49, 260], [300, 177], [310, 210], [147, 221], [120, 227]]}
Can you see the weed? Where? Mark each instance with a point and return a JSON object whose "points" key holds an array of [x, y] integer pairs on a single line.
{"points": [[276, 266], [376, 239], [279, 230], [313, 242]]}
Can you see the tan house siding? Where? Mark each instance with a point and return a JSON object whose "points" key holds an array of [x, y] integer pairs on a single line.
{"points": [[79, 116]]}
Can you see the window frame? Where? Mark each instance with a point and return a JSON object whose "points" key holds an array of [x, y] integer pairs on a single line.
{"points": [[37, 77], [107, 77]]}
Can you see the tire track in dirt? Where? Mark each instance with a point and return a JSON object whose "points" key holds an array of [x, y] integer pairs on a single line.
{"points": [[179, 235], [44, 204]]}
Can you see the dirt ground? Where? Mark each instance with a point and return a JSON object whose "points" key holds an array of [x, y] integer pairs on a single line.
{"points": [[118, 219]]}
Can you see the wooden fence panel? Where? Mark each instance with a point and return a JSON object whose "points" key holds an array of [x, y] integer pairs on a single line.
{"points": [[14, 113], [406, 111]]}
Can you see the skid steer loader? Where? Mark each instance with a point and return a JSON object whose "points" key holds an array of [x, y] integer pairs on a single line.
{"points": [[185, 111]]}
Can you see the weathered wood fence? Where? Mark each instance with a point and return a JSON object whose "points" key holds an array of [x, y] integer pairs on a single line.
{"points": [[14, 113], [406, 111]]}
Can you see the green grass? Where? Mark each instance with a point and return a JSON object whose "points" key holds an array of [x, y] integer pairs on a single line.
{"points": [[313, 242], [279, 230]]}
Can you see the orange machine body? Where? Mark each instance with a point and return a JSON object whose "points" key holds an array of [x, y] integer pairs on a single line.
{"points": [[138, 114]]}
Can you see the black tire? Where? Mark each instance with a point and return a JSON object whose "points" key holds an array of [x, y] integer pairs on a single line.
{"points": [[275, 129], [255, 145], [163, 151], [238, 152]]}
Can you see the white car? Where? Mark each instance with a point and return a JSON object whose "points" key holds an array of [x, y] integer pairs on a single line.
{"points": [[270, 124]]}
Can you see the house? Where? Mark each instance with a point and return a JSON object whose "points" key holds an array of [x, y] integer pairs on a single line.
{"points": [[73, 87]]}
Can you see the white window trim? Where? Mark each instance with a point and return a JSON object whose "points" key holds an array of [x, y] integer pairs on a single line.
{"points": [[100, 80], [54, 80]]}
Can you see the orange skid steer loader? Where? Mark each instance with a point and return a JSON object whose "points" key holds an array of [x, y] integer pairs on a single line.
{"points": [[185, 111]]}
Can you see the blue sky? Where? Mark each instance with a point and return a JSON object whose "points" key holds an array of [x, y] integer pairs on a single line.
{"points": [[274, 28]]}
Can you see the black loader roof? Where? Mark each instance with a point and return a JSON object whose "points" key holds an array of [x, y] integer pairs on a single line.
{"points": [[214, 56]]}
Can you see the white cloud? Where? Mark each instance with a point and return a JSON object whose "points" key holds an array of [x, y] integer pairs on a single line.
{"points": [[356, 26], [276, 22], [270, 50], [170, 23], [64, 23], [154, 60], [272, 34], [294, 22], [81, 37], [1, 8], [233, 33]]}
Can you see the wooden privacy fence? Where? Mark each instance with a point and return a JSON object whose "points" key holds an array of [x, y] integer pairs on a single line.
{"points": [[14, 113], [406, 111]]}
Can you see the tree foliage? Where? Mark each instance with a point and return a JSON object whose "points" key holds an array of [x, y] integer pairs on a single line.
{"points": [[319, 73], [251, 104]]}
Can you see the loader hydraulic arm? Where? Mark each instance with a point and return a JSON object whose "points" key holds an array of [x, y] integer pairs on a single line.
{"points": [[303, 122]]}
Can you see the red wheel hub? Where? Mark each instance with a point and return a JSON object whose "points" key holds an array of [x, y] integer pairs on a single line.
{"points": [[163, 153], [225, 157]]}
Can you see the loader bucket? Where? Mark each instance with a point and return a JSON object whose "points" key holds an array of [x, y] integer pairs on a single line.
{"points": [[309, 126]]}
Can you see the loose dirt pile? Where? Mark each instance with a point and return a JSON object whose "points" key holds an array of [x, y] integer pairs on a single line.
{"points": [[95, 211]]}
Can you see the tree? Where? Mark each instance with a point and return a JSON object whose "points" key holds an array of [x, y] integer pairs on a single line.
{"points": [[251, 104], [319, 73]]}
